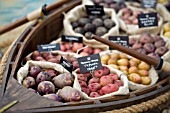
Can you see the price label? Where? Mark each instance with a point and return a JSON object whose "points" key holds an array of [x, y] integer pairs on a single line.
{"points": [[48, 47], [149, 3], [66, 38], [121, 40], [89, 63], [67, 65], [95, 10], [147, 20]]}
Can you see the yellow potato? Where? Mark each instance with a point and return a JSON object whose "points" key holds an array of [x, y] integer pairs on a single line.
{"points": [[167, 34]]}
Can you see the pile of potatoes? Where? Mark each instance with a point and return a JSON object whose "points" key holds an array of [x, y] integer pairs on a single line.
{"points": [[89, 51], [98, 25], [152, 45], [54, 58], [99, 83], [110, 4], [47, 82], [166, 30], [136, 70], [70, 46]]}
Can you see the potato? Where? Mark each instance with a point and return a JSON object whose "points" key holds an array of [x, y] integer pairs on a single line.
{"points": [[28, 82], [43, 76], [65, 79], [55, 97], [46, 87], [34, 71], [70, 94]]}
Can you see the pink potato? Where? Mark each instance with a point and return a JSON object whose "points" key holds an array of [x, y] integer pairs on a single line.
{"points": [[105, 80], [114, 76], [96, 51], [88, 50], [76, 46], [85, 90], [43, 76], [65, 79], [94, 94], [82, 77], [94, 87], [98, 73], [82, 83], [55, 97], [118, 82], [94, 80], [70, 94], [34, 71], [106, 70], [28, 82], [109, 89], [46, 87]]}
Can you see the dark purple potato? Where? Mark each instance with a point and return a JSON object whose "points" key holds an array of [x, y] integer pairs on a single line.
{"points": [[28, 82], [46, 87], [88, 35], [89, 27], [137, 45], [35, 54], [43, 76], [65, 79], [39, 58], [92, 17], [70, 94], [83, 21], [149, 47], [146, 38], [79, 30], [32, 90], [75, 24], [34, 71], [132, 41], [143, 51], [105, 17], [154, 55], [100, 31], [97, 22], [159, 43], [55, 97], [161, 50], [52, 72], [108, 23]]}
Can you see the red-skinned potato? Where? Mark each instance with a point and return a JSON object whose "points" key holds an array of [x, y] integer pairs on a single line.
{"points": [[76, 46], [35, 54], [46, 87], [70, 94], [43, 76], [82, 77], [84, 53], [114, 76], [98, 73], [85, 90], [65, 79], [94, 94], [55, 97], [28, 82], [62, 47], [106, 70], [39, 58], [88, 74], [75, 65], [34, 71], [118, 82], [94, 80], [96, 51], [88, 50], [109, 89], [132, 41], [94, 87], [82, 83], [104, 80]]}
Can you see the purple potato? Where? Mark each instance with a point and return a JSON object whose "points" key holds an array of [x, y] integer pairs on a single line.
{"points": [[52, 72], [55, 97], [146, 38], [157, 38], [141, 51], [132, 41], [65, 79], [34, 71], [46, 87], [154, 55], [43, 76], [161, 50], [149, 47], [159, 43], [70, 94], [137, 45], [28, 82]]}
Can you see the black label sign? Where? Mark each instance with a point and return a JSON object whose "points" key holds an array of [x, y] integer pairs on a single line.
{"points": [[48, 47], [147, 20], [1, 54], [149, 3], [66, 38], [121, 40], [89, 63], [67, 65], [94, 10]]}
